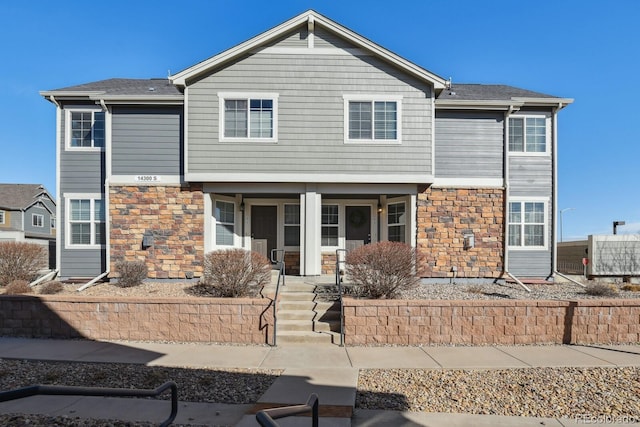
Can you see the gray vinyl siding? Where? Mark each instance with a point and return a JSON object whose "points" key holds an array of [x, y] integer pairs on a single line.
{"points": [[80, 172], [324, 38], [296, 39], [46, 220], [15, 219], [311, 117], [146, 141], [530, 263], [469, 144]]}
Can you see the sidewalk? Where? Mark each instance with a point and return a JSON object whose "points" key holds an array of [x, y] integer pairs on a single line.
{"points": [[328, 370]]}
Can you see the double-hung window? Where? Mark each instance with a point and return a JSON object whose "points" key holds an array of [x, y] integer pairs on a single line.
{"points": [[2, 217], [86, 129], [250, 117], [37, 220], [527, 224], [291, 225], [372, 119], [396, 222], [528, 134], [329, 232], [225, 223], [85, 221]]}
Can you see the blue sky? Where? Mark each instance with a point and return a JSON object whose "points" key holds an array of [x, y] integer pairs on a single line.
{"points": [[586, 50]]}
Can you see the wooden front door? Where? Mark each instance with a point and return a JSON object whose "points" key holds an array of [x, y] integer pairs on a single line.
{"points": [[264, 229]]}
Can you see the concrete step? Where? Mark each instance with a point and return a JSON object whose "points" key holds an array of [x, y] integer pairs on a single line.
{"points": [[297, 287], [307, 337], [309, 325], [318, 306], [297, 296]]}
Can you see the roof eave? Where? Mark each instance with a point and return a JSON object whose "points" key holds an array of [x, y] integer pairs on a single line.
{"points": [[141, 99], [544, 102], [472, 104]]}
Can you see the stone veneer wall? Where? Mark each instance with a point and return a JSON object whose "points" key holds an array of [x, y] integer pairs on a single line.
{"points": [[491, 322], [175, 217], [444, 216], [223, 320]]}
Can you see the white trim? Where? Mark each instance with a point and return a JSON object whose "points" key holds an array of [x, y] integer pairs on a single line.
{"points": [[61, 225], [40, 220], [347, 98], [185, 127], [333, 51], [548, 141], [468, 182], [342, 226], [300, 188], [67, 209], [108, 143], [279, 204], [67, 127], [237, 222], [248, 96], [547, 224], [323, 178], [164, 180]]}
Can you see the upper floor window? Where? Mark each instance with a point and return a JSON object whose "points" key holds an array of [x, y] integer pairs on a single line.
{"points": [[1, 217], [37, 220], [372, 119], [527, 224], [396, 222], [53, 222], [528, 134], [251, 117], [85, 220], [86, 129]]}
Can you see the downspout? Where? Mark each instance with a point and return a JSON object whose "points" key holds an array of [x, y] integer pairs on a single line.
{"points": [[59, 227], [505, 215]]}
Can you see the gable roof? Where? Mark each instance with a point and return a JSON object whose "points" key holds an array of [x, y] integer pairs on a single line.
{"points": [[312, 19], [21, 196], [114, 90]]}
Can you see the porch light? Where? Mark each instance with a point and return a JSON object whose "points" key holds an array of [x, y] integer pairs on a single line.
{"points": [[242, 206], [379, 207]]}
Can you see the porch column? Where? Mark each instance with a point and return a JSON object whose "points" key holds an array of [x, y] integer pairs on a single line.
{"points": [[311, 209]]}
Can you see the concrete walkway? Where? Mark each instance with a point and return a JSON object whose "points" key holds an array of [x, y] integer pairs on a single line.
{"points": [[327, 370]]}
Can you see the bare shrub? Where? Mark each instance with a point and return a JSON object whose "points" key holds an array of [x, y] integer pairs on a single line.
{"points": [[20, 261], [601, 290], [631, 288], [132, 273], [236, 272], [382, 270], [18, 287], [51, 288]]}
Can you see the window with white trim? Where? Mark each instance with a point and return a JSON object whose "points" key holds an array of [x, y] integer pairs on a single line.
{"points": [[251, 117], [291, 225], [225, 223], [396, 222], [329, 232], [527, 224], [85, 221], [372, 119], [37, 220], [528, 134], [2, 217], [86, 129], [52, 222]]}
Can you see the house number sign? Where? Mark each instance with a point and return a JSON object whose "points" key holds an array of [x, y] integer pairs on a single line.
{"points": [[147, 178]]}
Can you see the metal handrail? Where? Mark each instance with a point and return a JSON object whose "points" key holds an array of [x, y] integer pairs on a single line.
{"points": [[267, 417], [52, 390], [281, 273], [339, 284]]}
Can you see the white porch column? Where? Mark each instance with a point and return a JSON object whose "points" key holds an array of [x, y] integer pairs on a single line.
{"points": [[311, 209]]}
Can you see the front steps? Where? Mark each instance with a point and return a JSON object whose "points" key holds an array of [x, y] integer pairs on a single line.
{"points": [[303, 317]]}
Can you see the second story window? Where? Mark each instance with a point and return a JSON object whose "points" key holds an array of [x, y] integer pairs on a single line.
{"points": [[87, 129], [37, 220], [528, 134], [248, 117], [372, 119]]}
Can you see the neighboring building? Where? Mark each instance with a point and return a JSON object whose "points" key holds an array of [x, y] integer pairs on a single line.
{"points": [[308, 137], [28, 214]]}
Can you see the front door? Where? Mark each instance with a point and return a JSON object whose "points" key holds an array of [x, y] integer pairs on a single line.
{"points": [[264, 229], [358, 226]]}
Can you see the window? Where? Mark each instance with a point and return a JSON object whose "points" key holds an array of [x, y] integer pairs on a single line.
{"points": [[527, 224], [86, 221], [329, 233], [53, 222], [372, 120], [225, 223], [396, 222], [291, 225], [37, 220], [1, 217], [248, 117], [87, 129], [528, 134]]}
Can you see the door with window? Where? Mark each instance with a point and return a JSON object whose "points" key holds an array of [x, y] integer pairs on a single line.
{"points": [[264, 229], [357, 226]]}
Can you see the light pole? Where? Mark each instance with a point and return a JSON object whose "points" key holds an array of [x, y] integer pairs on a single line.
{"points": [[615, 226], [561, 212]]}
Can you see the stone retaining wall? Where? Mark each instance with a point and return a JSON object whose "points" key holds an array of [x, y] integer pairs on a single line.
{"points": [[221, 320], [491, 322]]}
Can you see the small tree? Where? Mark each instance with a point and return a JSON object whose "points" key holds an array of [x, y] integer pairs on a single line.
{"points": [[236, 272], [20, 261], [382, 270]]}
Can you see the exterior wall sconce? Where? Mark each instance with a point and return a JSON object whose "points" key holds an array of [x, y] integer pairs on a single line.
{"points": [[242, 206], [379, 207], [147, 240], [469, 241]]}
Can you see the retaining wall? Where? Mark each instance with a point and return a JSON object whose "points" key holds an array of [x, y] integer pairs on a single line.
{"points": [[223, 320]]}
